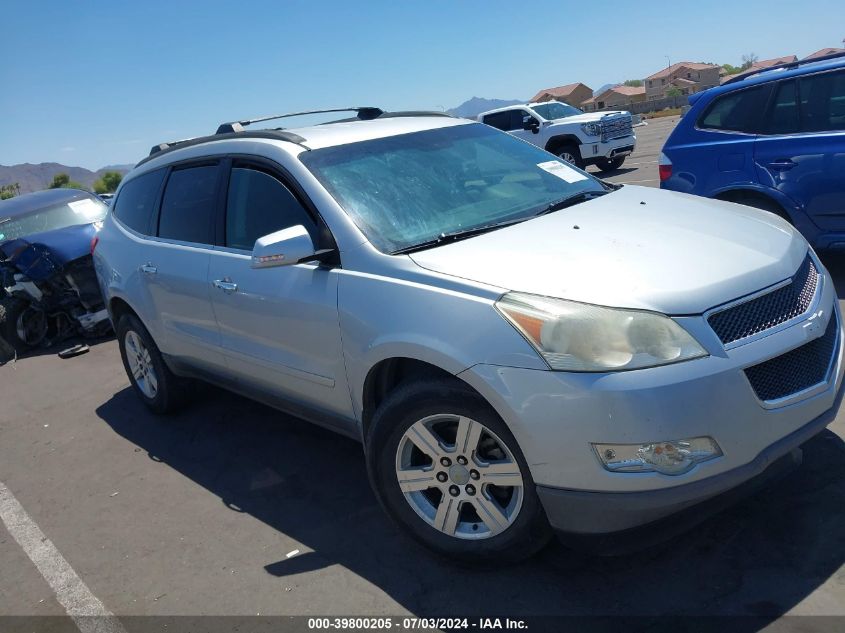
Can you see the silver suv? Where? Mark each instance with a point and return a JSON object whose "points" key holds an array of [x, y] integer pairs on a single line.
{"points": [[519, 345]]}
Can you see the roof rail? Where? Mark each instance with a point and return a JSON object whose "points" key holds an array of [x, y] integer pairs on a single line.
{"points": [[365, 113], [236, 128], [277, 135], [155, 149], [788, 65]]}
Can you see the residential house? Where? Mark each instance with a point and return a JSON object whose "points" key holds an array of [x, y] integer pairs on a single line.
{"points": [[615, 97], [573, 94], [824, 52], [688, 77], [760, 65]]}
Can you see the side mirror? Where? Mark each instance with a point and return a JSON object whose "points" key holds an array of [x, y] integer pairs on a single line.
{"points": [[283, 248], [531, 124]]}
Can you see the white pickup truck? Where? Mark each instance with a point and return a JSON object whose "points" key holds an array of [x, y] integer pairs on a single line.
{"points": [[603, 139]]}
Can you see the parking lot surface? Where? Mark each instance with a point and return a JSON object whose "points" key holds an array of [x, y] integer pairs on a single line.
{"points": [[231, 508], [640, 168]]}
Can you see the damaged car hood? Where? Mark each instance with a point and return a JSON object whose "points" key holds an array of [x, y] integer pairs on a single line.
{"points": [[65, 244], [636, 248]]}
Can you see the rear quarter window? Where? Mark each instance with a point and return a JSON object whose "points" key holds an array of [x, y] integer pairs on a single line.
{"points": [[738, 111], [135, 205]]}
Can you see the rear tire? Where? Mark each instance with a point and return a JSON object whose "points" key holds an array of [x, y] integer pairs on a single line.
{"points": [[447, 500], [157, 387], [610, 164]]}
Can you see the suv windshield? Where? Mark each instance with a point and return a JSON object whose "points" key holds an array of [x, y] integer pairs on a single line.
{"points": [[408, 190], [59, 216], [555, 110]]}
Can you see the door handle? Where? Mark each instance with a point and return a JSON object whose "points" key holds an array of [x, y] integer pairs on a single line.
{"points": [[149, 269], [782, 164], [226, 285]]}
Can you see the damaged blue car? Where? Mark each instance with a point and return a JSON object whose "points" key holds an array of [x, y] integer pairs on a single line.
{"points": [[48, 288]]}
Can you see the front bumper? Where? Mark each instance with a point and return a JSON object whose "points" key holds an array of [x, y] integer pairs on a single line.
{"points": [[609, 149], [557, 416], [579, 512]]}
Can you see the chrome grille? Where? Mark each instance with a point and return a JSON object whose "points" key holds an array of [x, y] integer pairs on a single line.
{"points": [[768, 310], [797, 370], [617, 127]]}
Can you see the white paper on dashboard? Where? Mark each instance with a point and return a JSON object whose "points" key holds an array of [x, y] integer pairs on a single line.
{"points": [[84, 207], [562, 171]]}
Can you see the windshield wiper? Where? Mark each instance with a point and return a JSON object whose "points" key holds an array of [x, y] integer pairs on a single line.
{"points": [[447, 238], [569, 201]]}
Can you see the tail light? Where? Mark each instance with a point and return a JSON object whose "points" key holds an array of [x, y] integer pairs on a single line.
{"points": [[664, 166], [94, 241]]}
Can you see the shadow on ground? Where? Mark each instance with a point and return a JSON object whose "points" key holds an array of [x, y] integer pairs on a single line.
{"points": [[758, 558], [7, 352]]}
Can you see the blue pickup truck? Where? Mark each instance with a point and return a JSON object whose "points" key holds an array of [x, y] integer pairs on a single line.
{"points": [[772, 139]]}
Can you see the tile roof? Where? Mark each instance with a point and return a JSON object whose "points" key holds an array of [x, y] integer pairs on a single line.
{"points": [[560, 91], [628, 91], [825, 51], [776, 61], [691, 65]]}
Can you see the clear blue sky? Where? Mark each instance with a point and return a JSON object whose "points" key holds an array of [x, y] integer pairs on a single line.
{"points": [[96, 83]]}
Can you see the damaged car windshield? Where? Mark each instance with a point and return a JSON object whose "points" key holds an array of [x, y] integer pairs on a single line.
{"points": [[407, 190], [59, 216]]}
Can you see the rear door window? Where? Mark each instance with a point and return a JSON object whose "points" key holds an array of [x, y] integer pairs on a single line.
{"points": [[822, 102], [783, 113], [137, 200], [259, 204], [188, 205], [736, 111], [499, 120]]}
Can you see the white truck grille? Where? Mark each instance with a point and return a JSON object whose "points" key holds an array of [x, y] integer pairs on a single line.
{"points": [[617, 127]]}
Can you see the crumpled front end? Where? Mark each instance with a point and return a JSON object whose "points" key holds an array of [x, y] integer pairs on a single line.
{"points": [[49, 292]]}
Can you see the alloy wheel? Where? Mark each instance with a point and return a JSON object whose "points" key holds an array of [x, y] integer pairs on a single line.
{"points": [[459, 476], [141, 364]]}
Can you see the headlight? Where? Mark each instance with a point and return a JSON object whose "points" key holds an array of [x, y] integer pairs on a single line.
{"points": [[591, 129], [582, 337], [673, 457]]}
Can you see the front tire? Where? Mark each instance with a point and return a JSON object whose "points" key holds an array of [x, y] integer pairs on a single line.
{"points": [[571, 153], [447, 469], [21, 325], [153, 382], [610, 164]]}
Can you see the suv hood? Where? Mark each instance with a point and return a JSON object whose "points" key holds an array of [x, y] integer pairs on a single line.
{"points": [[587, 117], [633, 248]]}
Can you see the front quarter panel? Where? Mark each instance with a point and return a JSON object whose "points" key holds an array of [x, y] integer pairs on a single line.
{"points": [[384, 317]]}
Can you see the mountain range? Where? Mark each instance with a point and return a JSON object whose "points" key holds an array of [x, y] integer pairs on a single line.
{"points": [[473, 107], [32, 177]]}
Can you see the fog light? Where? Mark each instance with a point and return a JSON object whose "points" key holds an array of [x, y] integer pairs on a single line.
{"points": [[672, 457]]}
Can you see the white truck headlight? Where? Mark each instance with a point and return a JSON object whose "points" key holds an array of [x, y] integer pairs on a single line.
{"points": [[671, 457], [591, 129], [582, 337]]}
